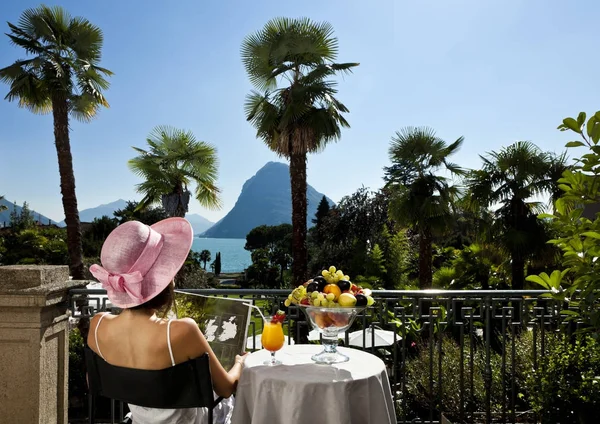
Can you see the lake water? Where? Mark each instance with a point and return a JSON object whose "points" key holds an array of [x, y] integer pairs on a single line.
{"points": [[233, 256]]}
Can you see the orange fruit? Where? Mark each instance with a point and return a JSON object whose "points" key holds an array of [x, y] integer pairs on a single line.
{"points": [[332, 288]]}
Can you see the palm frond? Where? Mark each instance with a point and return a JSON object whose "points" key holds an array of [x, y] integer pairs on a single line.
{"points": [[66, 52], [84, 107], [175, 160], [284, 45], [85, 39], [325, 70]]}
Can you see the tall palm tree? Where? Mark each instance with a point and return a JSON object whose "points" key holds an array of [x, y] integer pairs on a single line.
{"points": [[205, 257], [175, 161], [291, 62], [420, 197], [510, 179], [61, 77]]}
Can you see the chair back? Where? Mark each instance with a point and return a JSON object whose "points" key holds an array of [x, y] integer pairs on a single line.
{"points": [[185, 385]]}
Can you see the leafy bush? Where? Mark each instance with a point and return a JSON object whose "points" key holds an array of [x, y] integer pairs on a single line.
{"points": [[566, 387], [77, 380], [419, 396], [193, 276], [578, 233], [35, 246], [372, 282]]}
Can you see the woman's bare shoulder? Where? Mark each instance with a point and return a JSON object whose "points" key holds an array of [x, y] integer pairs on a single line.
{"points": [[91, 338], [184, 326], [187, 337]]}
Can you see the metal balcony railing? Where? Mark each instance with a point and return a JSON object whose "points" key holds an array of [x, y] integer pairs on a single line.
{"points": [[460, 353]]}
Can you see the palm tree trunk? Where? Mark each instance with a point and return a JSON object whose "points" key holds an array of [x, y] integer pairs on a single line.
{"points": [[518, 273], [180, 212], [299, 212], [425, 259], [60, 113]]}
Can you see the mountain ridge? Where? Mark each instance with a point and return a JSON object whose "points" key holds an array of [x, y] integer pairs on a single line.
{"points": [[108, 209], [5, 215], [265, 199], [198, 222]]}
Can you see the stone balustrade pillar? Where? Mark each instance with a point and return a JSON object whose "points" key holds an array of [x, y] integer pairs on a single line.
{"points": [[34, 343]]}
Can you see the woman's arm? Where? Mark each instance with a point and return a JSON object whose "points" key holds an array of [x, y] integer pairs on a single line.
{"points": [[190, 342]]}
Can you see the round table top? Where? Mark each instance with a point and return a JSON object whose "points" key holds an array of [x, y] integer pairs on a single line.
{"points": [[361, 364]]}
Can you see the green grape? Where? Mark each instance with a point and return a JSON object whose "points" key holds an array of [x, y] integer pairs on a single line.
{"points": [[314, 294], [320, 296], [297, 296], [316, 302], [330, 296], [324, 302]]}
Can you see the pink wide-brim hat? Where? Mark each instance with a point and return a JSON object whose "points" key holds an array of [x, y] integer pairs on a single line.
{"points": [[140, 261]]}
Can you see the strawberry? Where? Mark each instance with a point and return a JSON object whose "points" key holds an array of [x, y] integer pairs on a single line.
{"points": [[278, 317]]}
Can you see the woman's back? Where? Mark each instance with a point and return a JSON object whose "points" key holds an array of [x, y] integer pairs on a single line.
{"points": [[135, 341], [139, 263]]}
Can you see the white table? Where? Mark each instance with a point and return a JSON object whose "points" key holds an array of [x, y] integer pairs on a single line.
{"points": [[302, 392]]}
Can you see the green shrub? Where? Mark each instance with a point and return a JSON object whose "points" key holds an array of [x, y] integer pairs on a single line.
{"points": [[566, 386], [419, 397], [369, 282], [77, 380], [193, 276], [577, 228], [197, 278], [35, 246]]}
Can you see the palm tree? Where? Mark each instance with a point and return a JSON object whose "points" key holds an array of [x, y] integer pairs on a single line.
{"points": [[174, 161], [205, 257], [510, 179], [61, 77], [420, 198], [294, 111]]}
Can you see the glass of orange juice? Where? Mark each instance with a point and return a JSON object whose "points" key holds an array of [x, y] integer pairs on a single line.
{"points": [[272, 338]]}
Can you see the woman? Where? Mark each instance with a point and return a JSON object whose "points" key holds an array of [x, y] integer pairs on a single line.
{"points": [[139, 263]]}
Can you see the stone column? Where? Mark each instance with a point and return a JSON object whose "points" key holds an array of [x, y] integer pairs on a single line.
{"points": [[34, 343]]}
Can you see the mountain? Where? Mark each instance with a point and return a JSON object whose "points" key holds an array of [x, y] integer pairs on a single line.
{"points": [[5, 215], [88, 215], [266, 199], [199, 223]]}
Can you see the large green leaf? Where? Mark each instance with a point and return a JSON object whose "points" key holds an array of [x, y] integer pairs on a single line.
{"points": [[572, 124]]}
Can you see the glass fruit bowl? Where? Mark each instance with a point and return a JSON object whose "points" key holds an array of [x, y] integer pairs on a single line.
{"points": [[330, 322]]}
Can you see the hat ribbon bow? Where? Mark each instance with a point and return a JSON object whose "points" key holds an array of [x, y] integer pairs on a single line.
{"points": [[129, 283]]}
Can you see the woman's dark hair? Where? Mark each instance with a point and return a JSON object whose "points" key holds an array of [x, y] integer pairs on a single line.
{"points": [[162, 302]]}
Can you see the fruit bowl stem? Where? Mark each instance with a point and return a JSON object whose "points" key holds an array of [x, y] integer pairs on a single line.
{"points": [[330, 354]]}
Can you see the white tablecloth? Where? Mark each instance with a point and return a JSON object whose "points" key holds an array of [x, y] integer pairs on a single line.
{"points": [[302, 392]]}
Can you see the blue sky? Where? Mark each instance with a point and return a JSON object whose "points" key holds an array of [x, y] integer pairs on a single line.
{"points": [[493, 71]]}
